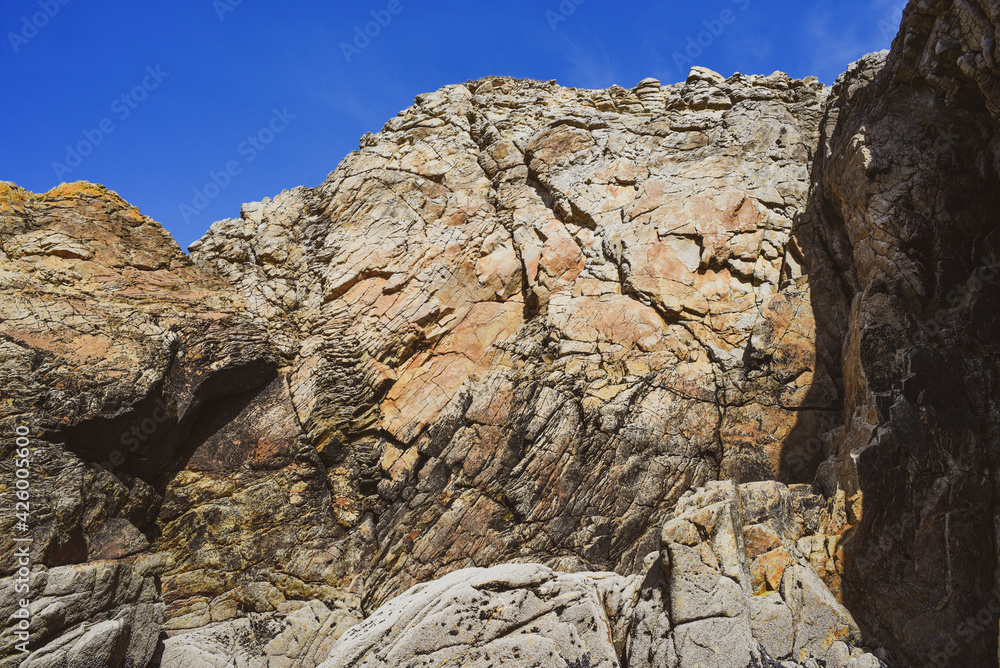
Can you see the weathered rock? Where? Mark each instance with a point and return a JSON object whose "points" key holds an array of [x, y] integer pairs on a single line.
{"points": [[709, 588], [298, 635], [158, 422], [521, 328], [98, 614], [511, 615], [692, 607], [901, 246], [772, 625], [524, 323]]}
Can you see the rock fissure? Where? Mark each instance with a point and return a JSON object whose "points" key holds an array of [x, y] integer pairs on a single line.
{"points": [[532, 344]]}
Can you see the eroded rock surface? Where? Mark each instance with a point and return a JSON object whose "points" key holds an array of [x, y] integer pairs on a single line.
{"points": [[518, 337], [523, 315], [90, 615], [712, 596], [903, 244], [511, 615], [297, 634], [161, 432]]}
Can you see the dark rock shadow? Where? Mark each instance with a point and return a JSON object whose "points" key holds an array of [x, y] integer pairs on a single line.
{"points": [[902, 222]]}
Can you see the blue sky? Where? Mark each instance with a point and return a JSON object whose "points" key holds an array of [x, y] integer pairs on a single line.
{"points": [[240, 99]]}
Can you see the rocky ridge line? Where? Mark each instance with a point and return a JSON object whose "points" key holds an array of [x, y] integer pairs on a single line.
{"points": [[529, 327]]}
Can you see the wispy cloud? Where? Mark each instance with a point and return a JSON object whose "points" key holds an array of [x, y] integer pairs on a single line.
{"points": [[591, 64], [846, 35]]}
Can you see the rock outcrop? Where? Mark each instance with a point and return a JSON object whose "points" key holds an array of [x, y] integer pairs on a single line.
{"points": [[903, 241], [165, 453], [729, 586], [701, 374], [521, 315]]}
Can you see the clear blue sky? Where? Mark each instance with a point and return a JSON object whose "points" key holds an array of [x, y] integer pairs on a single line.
{"points": [[160, 95]]}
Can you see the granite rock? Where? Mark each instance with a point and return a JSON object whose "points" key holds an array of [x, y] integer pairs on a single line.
{"points": [[715, 361], [692, 606]]}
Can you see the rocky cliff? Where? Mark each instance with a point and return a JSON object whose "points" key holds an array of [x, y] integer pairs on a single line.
{"points": [[690, 375]]}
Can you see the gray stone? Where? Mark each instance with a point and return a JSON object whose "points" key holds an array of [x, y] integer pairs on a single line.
{"points": [[819, 619], [102, 614], [772, 625], [300, 636], [511, 615], [721, 642]]}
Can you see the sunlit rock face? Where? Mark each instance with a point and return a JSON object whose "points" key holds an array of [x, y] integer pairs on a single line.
{"points": [[525, 319], [728, 586], [712, 365]]}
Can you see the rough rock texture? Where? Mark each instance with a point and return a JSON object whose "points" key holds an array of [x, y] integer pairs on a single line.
{"points": [[735, 583], [511, 615], [522, 325], [903, 244], [96, 614], [116, 350], [297, 634], [712, 596], [523, 315]]}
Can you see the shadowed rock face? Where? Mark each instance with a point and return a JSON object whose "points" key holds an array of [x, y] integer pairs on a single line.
{"points": [[525, 323], [903, 236]]}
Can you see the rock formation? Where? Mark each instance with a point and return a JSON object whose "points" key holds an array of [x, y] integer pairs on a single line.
{"points": [[904, 240], [729, 587], [702, 374]]}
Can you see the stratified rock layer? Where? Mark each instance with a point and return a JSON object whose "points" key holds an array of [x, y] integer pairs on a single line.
{"points": [[165, 453], [729, 587], [522, 315], [505, 353]]}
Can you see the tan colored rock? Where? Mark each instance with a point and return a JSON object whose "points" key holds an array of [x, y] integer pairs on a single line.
{"points": [[724, 606], [691, 607], [767, 569], [525, 323], [586, 259], [772, 624], [167, 430]]}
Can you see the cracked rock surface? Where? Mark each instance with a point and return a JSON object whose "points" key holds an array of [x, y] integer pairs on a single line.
{"points": [[681, 375], [523, 315], [702, 600], [171, 484], [903, 241]]}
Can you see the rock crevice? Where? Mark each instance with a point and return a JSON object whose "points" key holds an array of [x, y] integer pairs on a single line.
{"points": [[692, 374]]}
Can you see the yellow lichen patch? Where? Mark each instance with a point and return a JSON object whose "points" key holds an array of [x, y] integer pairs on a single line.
{"points": [[12, 196], [78, 189], [768, 569], [87, 189]]}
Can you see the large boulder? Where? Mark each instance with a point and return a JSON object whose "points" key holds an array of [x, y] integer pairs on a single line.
{"points": [[694, 605]]}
